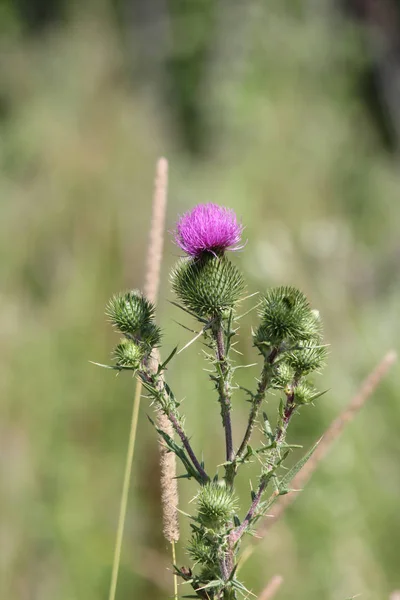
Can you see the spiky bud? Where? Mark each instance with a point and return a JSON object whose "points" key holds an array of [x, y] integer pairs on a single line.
{"points": [[130, 311], [128, 354], [282, 376], [216, 504], [132, 314], [286, 316], [202, 551], [207, 286], [304, 393], [307, 359]]}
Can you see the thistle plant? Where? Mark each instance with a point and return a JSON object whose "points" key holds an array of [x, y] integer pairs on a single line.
{"points": [[288, 339]]}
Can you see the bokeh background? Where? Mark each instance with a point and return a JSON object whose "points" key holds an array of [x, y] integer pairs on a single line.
{"points": [[287, 111]]}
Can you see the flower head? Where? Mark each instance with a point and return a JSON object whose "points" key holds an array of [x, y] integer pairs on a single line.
{"points": [[208, 228]]}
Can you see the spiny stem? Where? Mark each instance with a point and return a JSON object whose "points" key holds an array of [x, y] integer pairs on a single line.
{"points": [[239, 531], [185, 441], [279, 439], [256, 403], [224, 392], [125, 491], [158, 391]]}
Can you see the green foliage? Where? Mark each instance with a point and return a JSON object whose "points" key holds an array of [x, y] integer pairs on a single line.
{"points": [[207, 286]]}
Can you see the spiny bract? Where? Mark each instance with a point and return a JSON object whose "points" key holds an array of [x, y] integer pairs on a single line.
{"points": [[130, 311], [286, 316], [216, 504], [128, 354], [207, 286]]}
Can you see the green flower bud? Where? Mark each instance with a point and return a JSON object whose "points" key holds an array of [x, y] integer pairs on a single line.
{"points": [[286, 316], [202, 551], [282, 377], [306, 359], [207, 286], [150, 336], [304, 393], [128, 354], [130, 312], [217, 505]]}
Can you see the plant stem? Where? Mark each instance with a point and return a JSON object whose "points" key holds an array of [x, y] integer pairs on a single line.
{"points": [[175, 575], [224, 391], [239, 531], [256, 403], [185, 441], [157, 388], [125, 491], [279, 439]]}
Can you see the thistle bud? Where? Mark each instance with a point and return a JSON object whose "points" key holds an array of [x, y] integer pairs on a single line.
{"points": [[283, 375], [130, 312], [304, 393], [307, 359], [207, 286], [217, 505], [128, 354], [286, 317]]}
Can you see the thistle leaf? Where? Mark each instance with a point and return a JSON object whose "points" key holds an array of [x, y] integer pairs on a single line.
{"points": [[285, 481], [178, 451], [167, 360]]}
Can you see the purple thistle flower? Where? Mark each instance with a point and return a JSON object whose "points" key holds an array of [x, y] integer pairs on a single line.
{"points": [[208, 228]]}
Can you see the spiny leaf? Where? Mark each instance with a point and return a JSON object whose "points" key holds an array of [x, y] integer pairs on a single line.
{"points": [[285, 481], [212, 584], [189, 312], [112, 367], [178, 451], [167, 360]]}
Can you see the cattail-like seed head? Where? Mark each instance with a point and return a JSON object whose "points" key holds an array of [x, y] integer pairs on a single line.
{"points": [[169, 485]]}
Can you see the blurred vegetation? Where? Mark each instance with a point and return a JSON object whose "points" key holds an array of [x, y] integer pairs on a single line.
{"points": [[259, 106]]}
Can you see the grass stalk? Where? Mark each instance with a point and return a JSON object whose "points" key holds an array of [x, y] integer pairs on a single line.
{"points": [[271, 588], [153, 266], [175, 575]]}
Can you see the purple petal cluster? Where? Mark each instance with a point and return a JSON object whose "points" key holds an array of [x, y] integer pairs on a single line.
{"points": [[208, 228]]}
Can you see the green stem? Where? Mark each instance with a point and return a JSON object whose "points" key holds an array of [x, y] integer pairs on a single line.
{"points": [[223, 384], [256, 403], [160, 394], [125, 491], [279, 440]]}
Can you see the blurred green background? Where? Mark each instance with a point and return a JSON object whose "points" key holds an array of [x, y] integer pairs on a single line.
{"points": [[286, 111]]}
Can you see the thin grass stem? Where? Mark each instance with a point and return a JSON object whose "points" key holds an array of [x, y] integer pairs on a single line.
{"points": [[175, 575], [154, 257], [125, 491]]}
